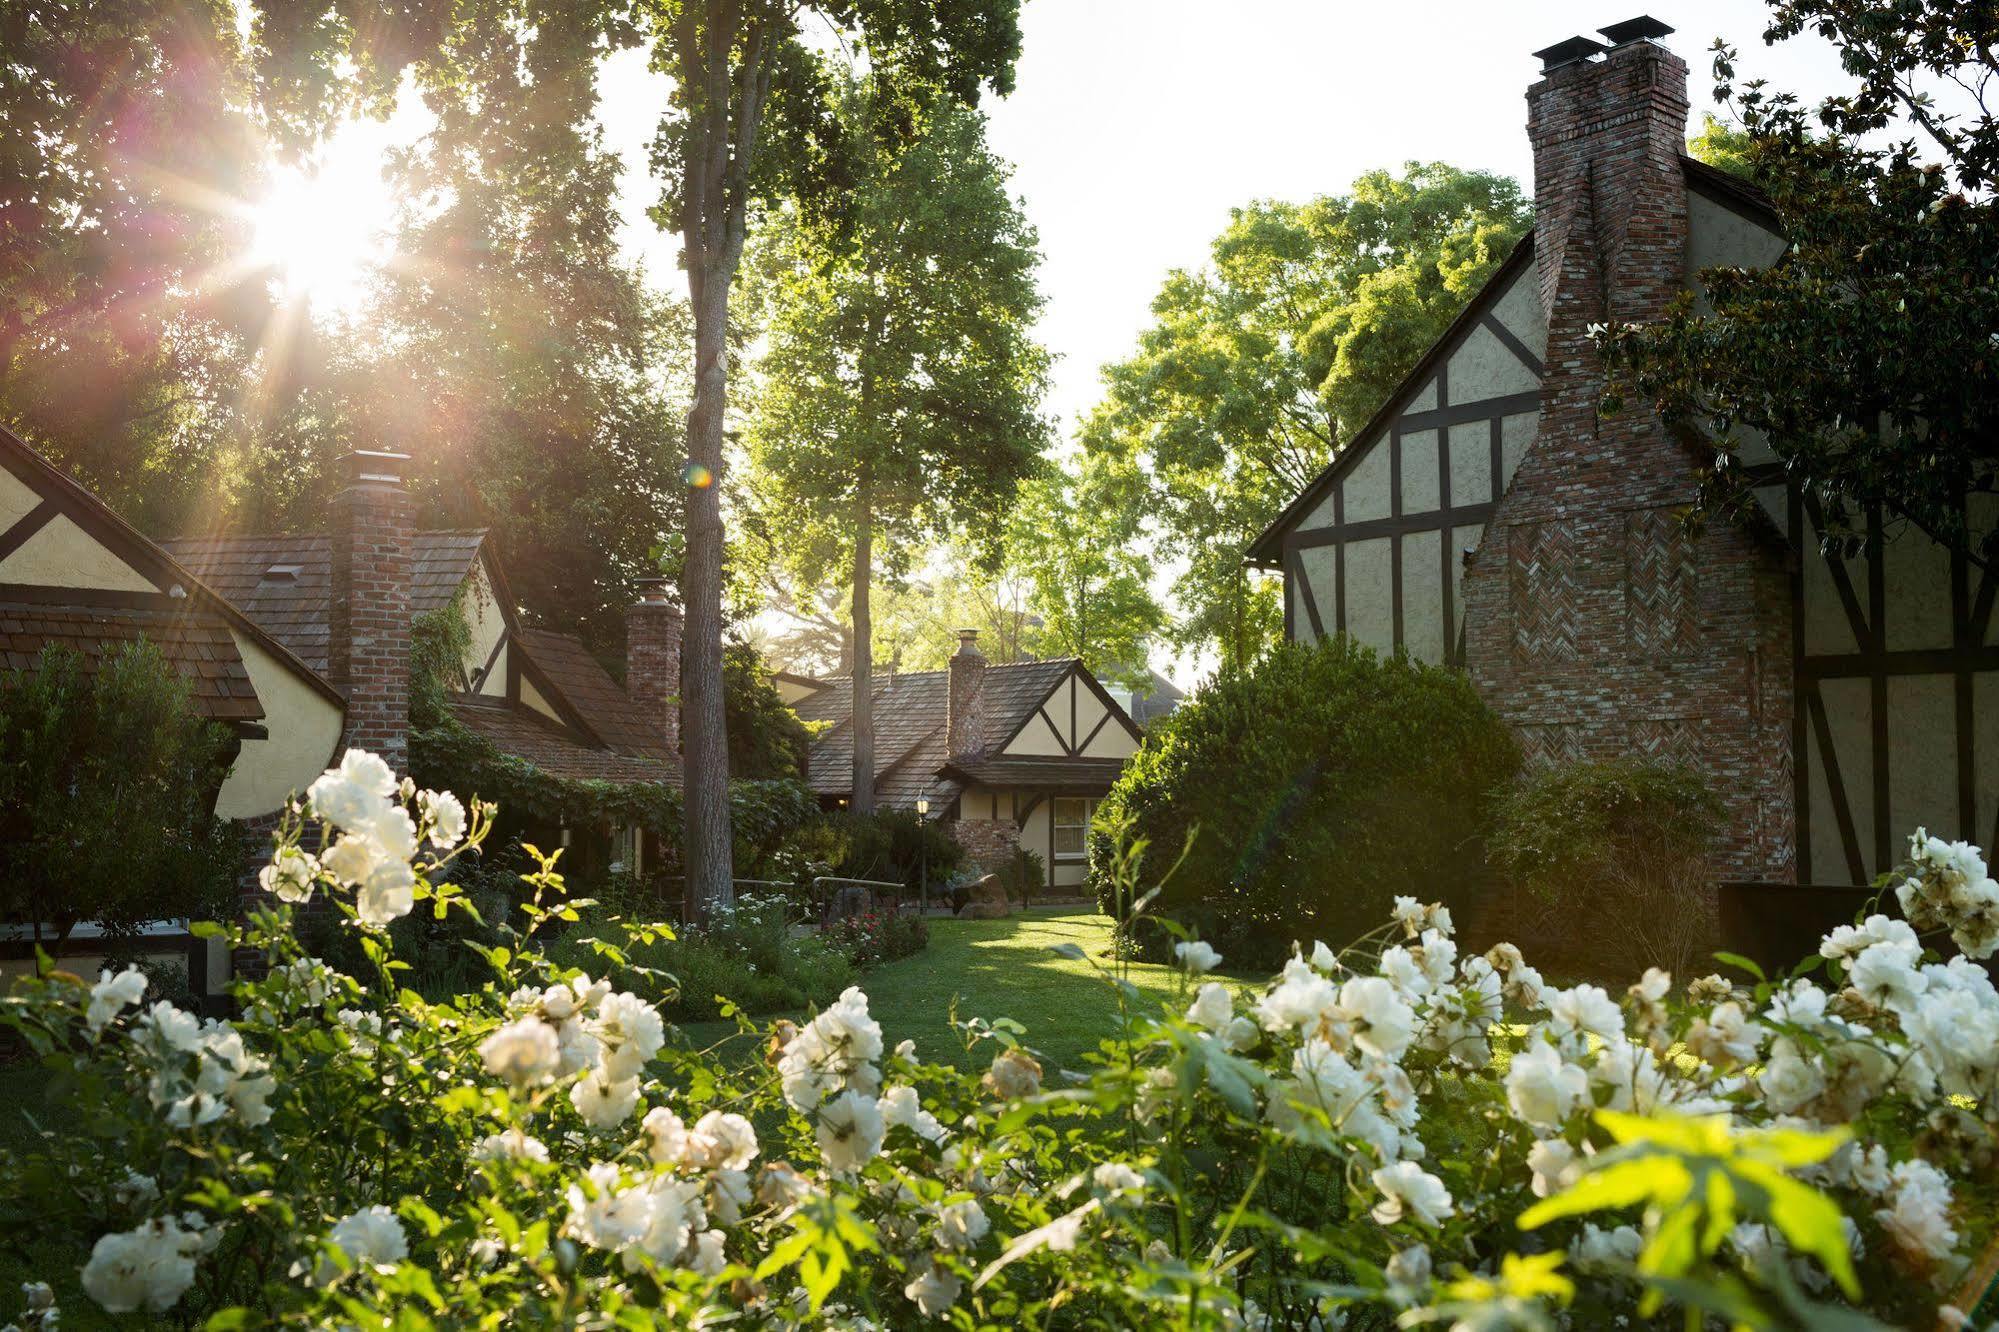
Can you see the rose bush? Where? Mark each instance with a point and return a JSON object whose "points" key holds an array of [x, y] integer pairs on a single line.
{"points": [[1391, 1132]]}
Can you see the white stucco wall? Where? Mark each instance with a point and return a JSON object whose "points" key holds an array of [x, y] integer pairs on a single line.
{"points": [[303, 725], [62, 554], [487, 625]]}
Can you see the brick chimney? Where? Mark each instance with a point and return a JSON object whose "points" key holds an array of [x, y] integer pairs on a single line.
{"points": [[652, 656], [1608, 125], [368, 622], [1597, 624], [965, 728]]}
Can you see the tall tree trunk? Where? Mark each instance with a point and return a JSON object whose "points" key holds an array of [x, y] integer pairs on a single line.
{"points": [[863, 798], [710, 871]]}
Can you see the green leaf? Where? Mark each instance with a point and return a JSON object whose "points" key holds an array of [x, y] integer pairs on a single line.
{"points": [[1654, 1178], [1739, 961]]}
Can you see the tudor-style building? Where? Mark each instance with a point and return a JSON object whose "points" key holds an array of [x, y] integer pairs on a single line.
{"points": [[1490, 517], [300, 644], [1009, 757]]}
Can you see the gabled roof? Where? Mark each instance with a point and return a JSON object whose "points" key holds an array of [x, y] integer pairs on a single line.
{"points": [[197, 645], [910, 715], [284, 581], [182, 599], [1267, 551], [547, 745], [601, 703]]}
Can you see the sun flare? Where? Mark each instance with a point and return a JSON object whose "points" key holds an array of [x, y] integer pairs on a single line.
{"points": [[320, 235]]}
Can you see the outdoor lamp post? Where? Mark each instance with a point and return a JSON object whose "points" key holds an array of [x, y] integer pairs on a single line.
{"points": [[923, 856]]}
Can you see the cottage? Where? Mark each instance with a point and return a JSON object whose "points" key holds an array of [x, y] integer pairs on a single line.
{"points": [[300, 644], [345, 602], [1490, 518], [1010, 757]]}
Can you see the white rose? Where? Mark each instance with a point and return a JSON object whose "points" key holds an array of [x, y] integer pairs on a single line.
{"points": [[1409, 1190], [523, 1052], [1197, 956], [1543, 1088]]}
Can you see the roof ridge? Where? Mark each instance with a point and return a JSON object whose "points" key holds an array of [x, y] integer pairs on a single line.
{"points": [[222, 537]]}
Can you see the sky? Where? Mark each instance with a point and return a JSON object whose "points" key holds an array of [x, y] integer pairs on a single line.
{"points": [[1136, 125]]}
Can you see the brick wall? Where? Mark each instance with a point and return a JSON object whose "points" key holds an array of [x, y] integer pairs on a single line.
{"points": [[990, 844], [965, 710], [652, 656], [368, 647], [1595, 624]]}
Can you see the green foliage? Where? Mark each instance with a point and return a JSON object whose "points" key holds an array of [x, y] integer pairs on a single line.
{"points": [[1559, 831], [511, 349], [1024, 876], [875, 937], [1257, 369], [1613, 859], [747, 955], [889, 845], [898, 392], [1079, 548], [1723, 146], [83, 753], [1864, 355], [345, 1149], [1697, 1179], [446, 754], [1307, 792], [767, 742]]}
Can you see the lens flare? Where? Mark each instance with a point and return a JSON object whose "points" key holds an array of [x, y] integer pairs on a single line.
{"points": [[696, 476]]}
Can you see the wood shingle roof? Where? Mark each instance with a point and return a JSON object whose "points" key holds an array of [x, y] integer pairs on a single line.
{"points": [[196, 644], [553, 749], [910, 714], [284, 581], [602, 703]]}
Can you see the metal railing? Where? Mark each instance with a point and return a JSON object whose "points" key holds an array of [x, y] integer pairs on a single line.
{"points": [[826, 887]]}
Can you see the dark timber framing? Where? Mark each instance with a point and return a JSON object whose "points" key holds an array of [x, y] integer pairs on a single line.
{"points": [[1817, 769]]}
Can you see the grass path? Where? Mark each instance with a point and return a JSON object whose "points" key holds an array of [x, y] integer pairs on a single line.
{"points": [[1002, 968]]}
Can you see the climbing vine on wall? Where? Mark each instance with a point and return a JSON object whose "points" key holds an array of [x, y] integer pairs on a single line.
{"points": [[448, 755]]}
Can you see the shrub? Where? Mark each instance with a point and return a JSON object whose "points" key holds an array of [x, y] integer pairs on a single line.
{"points": [[1387, 1135], [1309, 792], [107, 795], [888, 846], [747, 955], [1610, 864], [875, 937]]}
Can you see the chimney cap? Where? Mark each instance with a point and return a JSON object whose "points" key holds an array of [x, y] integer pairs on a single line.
{"points": [[1573, 51], [378, 466], [968, 642], [1644, 28], [655, 589]]}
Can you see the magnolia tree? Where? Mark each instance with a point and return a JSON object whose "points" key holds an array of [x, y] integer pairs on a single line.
{"points": [[1387, 1133]]}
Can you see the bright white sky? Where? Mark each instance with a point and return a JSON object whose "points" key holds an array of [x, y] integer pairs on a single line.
{"points": [[1138, 124]]}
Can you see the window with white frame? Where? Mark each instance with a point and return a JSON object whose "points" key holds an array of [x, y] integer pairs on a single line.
{"points": [[1072, 826]]}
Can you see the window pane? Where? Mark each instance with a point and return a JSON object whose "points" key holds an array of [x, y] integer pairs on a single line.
{"points": [[1071, 812], [1069, 840]]}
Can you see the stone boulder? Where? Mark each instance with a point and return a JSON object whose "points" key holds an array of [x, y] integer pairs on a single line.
{"points": [[988, 900]]}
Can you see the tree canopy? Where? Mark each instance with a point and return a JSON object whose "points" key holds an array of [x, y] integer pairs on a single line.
{"points": [[1257, 368], [1864, 356], [897, 397]]}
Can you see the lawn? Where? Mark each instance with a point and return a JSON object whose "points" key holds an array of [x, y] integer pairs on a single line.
{"points": [[1002, 968]]}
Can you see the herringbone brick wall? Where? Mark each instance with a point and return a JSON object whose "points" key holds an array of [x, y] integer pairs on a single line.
{"points": [[1596, 624]]}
